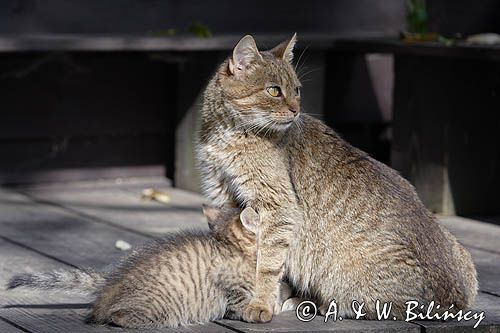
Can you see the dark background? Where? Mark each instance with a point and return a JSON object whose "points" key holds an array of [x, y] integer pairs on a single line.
{"points": [[65, 113], [336, 16]]}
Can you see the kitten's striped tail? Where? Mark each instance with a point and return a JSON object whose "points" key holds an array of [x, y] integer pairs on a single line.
{"points": [[70, 281]]}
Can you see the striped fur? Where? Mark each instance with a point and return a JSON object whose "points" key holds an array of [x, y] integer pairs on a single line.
{"points": [[339, 224], [72, 281], [183, 278]]}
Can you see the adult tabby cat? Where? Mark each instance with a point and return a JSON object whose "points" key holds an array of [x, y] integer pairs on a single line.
{"points": [[338, 223], [184, 278]]}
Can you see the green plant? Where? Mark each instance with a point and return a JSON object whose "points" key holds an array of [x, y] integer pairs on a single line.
{"points": [[416, 17], [199, 30]]}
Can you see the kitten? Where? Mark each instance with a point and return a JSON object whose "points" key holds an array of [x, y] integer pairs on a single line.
{"points": [[183, 278], [338, 223]]}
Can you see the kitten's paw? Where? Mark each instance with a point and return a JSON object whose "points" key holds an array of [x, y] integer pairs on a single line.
{"points": [[257, 312]]}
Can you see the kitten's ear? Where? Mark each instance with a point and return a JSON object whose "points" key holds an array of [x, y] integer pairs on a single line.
{"points": [[212, 214], [285, 49], [244, 53], [250, 219]]}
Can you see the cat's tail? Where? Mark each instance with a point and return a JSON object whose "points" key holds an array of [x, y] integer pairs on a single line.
{"points": [[69, 281]]}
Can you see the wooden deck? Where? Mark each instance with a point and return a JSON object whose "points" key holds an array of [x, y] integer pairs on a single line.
{"points": [[76, 225]]}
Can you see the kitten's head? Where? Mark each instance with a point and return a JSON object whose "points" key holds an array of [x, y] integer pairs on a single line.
{"points": [[261, 88], [235, 226]]}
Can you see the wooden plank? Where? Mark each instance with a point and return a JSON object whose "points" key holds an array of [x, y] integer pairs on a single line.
{"points": [[288, 322], [438, 49], [73, 320], [488, 269], [16, 259], [479, 235], [79, 174], [59, 234], [487, 302], [491, 323], [488, 219], [123, 207], [21, 306], [5, 327], [53, 312], [49, 312], [461, 327], [43, 319], [122, 42], [208, 328], [128, 183]]}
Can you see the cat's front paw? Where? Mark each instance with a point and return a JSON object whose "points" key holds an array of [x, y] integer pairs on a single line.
{"points": [[257, 312]]}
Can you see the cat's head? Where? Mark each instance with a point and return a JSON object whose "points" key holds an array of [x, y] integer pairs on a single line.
{"points": [[261, 88], [235, 226]]}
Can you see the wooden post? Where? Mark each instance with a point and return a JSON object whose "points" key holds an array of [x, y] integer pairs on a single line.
{"points": [[193, 76], [446, 124]]}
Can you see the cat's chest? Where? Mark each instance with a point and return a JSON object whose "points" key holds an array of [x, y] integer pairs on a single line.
{"points": [[239, 151]]}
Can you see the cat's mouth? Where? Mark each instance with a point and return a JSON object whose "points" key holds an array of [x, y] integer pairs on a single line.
{"points": [[283, 123], [285, 120]]}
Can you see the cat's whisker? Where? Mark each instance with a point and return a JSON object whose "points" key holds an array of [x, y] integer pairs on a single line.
{"points": [[312, 70], [314, 114], [270, 128], [257, 126], [309, 72], [264, 126], [301, 70], [300, 57], [269, 124], [303, 62]]}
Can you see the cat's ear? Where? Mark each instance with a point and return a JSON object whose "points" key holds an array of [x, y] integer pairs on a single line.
{"points": [[250, 219], [212, 214], [284, 50], [244, 53]]}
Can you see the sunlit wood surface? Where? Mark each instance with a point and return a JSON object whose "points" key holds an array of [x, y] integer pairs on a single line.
{"points": [[69, 225]]}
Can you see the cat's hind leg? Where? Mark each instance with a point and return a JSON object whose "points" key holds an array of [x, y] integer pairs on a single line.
{"points": [[137, 316]]}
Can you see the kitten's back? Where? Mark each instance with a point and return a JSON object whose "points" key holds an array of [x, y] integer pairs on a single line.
{"points": [[167, 283]]}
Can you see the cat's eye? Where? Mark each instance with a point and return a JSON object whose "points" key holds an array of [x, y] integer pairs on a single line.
{"points": [[297, 91], [274, 91]]}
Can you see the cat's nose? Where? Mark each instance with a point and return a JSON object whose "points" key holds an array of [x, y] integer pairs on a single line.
{"points": [[294, 107]]}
